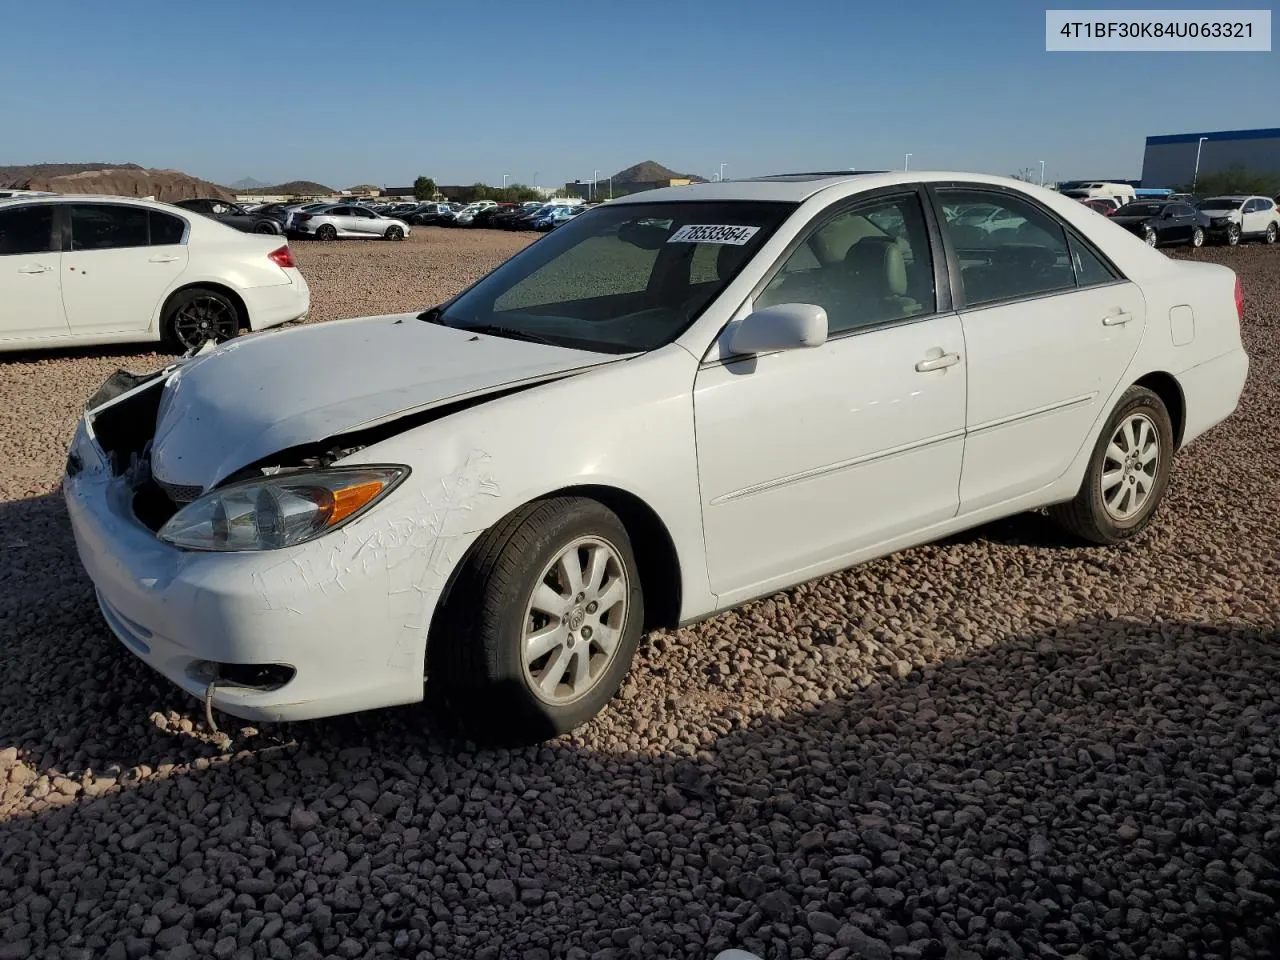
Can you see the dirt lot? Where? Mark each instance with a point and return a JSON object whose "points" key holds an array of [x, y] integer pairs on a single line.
{"points": [[1000, 746]]}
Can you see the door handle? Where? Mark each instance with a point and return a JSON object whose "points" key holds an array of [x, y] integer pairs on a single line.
{"points": [[1117, 319], [162, 259], [35, 268], [938, 363]]}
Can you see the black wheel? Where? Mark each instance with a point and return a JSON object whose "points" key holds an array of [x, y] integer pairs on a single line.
{"points": [[394, 233], [265, 226], [540, 627], [1197, 237], [326, 231], [1128, 473], [1233, 235], [1272, 233], [195, 316], [1150, 237]]}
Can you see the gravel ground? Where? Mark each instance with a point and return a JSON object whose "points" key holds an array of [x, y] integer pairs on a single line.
{"points": [[999, 746]]}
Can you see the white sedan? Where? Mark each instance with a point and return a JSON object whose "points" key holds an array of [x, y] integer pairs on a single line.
{"points": [[348, 221], [672, 404], [85, 270]]}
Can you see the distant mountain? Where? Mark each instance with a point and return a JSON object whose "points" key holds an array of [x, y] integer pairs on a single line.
{"points": [[650, 171], [119, 180], [293, 188], [248, 183], [12, 176]]}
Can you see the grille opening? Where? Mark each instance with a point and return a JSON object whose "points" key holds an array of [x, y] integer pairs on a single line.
{"points": [[124, 429], [152, 506]]}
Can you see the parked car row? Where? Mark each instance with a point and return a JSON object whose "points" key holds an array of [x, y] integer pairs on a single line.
{"points": [[1184, 219]]}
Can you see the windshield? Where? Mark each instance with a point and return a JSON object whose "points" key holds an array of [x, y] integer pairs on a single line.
{"points": [[1220, 203], [620, 279], [1140, 210]]}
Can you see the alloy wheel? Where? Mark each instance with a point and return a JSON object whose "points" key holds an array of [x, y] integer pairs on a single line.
{"points": [[205, 318], [574, 619], [1197, 237], [1150, 237], [1272, 233], [1130, 466]]}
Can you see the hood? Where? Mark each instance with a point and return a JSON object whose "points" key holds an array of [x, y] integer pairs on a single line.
{"points": [[263, 393]]}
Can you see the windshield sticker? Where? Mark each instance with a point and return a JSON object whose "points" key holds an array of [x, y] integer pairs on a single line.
{"points": [[713, 233]]}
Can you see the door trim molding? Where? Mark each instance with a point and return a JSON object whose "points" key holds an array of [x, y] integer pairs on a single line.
{"points": [[1037, 412]]}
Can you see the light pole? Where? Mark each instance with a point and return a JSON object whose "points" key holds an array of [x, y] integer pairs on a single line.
{"points": [[906, 164], [595, 178], [504, 180], [1196, 176], [722, 166], [611, 186], [1042, 173]]}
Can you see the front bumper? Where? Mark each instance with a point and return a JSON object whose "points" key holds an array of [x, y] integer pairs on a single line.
{"points": [[336, 610]]}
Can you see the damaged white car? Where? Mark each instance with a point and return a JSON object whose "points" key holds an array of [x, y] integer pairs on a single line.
{"points": [[672, 404]]}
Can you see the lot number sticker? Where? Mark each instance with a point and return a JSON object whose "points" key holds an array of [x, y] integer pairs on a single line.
{"points": [[713, 233]]}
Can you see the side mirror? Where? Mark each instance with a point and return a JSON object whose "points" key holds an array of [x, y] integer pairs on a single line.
{"points": [[784, 326]]}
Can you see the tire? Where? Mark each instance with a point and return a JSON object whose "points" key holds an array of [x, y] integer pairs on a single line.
{"points": [[394, 233], [1102, 512], [1150, 237], [265, 227], [1197, 237], [492, 686], [326, 232], [1273, 232], [1233, 235], [197, 314]]}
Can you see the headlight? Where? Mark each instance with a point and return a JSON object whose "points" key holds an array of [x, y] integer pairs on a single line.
{"points": [[280, 511]]}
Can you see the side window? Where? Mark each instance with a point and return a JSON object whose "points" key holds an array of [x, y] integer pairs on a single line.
{"points": [[26, 230], [1007, 262], [866, 266], [103, 226], [166, 230], [1089, 269]]}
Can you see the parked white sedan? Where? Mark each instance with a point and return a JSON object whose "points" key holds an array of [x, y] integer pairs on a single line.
{"points": [[83, 270], [674, 403], [347, 221]]}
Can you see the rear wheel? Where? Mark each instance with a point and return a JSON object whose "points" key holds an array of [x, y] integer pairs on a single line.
{"points": [[265, 226], [1128, 472], [326, 231], [195, 316], [1197, 237], [394, 233], [540, 628]]}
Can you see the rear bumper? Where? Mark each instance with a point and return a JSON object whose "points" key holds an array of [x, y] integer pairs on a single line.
{"points": [[279, 303], [1212, 391]]}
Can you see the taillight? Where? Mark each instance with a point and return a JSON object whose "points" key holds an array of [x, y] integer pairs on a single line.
{"points": [[1239, 301], [302, 216], [282, 257]]}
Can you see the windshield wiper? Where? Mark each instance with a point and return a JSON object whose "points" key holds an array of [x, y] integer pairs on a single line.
{"points": [[497, 330]]}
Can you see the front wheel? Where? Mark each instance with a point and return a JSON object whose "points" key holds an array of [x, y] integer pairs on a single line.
{"points": [[1233, 236], [540, 628], [394, 233], [1127, 475], [1150, 238], [1272, 233], [1197, 237]]}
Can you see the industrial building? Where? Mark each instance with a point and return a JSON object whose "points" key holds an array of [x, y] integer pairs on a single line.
{"points": [[1170, 161]]}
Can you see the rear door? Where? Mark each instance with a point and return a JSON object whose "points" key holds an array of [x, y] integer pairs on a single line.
{"points": [[1049, 326], [122, 261], [30, 258]]}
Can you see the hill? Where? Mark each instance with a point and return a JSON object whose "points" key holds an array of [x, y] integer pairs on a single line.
{"points": [[125, 180], [247, 183], [293, 188], [13, 176], [650, 171]]}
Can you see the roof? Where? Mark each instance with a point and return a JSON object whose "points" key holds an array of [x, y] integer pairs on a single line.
{"points": [[798, 187], [1269, 133]]}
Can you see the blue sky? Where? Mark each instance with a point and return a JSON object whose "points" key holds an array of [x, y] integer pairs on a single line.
{"points": [[379, 92]]}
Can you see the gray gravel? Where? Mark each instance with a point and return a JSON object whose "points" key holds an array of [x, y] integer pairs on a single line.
{"points": [[1000, 746]]}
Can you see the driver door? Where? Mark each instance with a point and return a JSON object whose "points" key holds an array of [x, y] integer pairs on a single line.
{"points": [[808, 456]]}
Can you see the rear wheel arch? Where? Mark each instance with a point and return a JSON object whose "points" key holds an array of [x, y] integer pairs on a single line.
{"points": [[1167, 388], [241, 308]]}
